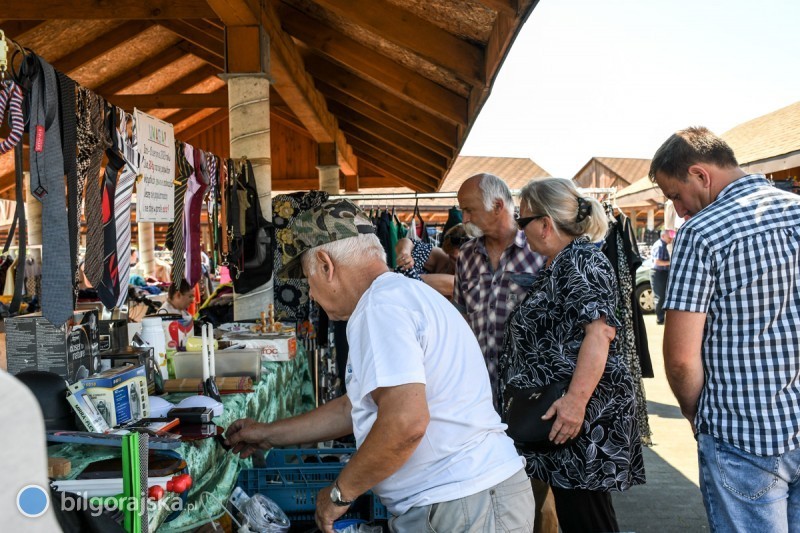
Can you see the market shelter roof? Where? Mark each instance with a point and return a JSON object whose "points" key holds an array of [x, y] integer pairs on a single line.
{"points": [[606, 172], [769, 143], [392, 85], [643, 193]]}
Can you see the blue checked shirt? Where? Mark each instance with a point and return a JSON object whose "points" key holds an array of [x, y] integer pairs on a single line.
{"points": [[488, 296], [738, 260]]}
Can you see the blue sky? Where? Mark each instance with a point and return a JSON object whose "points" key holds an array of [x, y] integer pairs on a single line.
{"points": [[614, 78]]}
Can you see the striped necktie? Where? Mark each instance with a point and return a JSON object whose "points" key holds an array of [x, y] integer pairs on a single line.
{"points": [[98, 141], [108, 290], [183, 151], [196, 188], [122, 202]]}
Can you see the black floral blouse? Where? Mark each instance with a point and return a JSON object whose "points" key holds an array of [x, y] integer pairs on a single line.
{"points": [[542, 340]]}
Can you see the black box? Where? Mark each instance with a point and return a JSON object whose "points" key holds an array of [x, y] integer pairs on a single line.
{"points": [[72, 352], [113, 335], [136, 357]]}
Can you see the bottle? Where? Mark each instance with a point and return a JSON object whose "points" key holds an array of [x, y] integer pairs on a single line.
{"points": [[153, 335]]}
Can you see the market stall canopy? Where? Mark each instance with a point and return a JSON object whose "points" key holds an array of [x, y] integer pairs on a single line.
{"points": [[390, 87], [769, 144]]}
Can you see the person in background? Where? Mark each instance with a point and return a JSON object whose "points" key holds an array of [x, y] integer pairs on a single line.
{"points": [[418, 400], [435, 266], [179, 298], [731, 339], [493, 273], [564, 330], [134, 257], [660, 272]]}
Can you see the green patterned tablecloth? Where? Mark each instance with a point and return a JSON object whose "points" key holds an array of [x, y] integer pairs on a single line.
{"points": [[284, 390]]}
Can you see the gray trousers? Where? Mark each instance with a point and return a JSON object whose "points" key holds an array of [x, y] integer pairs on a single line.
{"points": [[507, 507]]}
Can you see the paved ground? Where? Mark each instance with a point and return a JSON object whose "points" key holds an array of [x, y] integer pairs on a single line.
{"points": [[670, 502]]}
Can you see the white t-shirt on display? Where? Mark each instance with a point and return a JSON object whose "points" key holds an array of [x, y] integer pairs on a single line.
{"points": [[401, 332]]}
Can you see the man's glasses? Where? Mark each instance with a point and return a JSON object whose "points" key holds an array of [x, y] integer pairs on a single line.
{"points": [[524, 221]]}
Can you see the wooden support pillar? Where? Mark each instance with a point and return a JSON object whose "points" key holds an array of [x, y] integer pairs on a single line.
{"points": [[651, 219], [328, 168], [247, 53], [147, 245]]}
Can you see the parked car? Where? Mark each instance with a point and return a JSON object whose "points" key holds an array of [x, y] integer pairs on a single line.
{"points": [[643, 293]]}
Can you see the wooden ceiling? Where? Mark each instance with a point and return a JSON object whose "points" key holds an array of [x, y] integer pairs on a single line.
{"points": [[393, 86]]}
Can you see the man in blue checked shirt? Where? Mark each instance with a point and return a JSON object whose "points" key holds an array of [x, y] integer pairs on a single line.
{"points": [[732, 337]]}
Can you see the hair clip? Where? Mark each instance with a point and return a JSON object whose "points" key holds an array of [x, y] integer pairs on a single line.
{"points": [[584, 209]]}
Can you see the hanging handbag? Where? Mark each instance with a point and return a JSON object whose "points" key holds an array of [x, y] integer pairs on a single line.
{"points": [[523, 410]]}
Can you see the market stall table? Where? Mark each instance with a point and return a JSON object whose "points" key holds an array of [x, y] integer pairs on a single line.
{"points": [[284, 390]]}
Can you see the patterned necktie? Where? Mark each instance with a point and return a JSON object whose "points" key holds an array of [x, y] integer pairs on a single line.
{"points": [[108, 290], [122, 203], [176, 228], [69, 145], [198, 183], [98, 110], [47, 184]]}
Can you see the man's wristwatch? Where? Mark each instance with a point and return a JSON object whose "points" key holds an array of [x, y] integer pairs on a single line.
{"points": [[336, 496]]}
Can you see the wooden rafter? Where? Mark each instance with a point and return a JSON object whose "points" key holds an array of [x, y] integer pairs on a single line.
{"points": [[507, 7], [140, 71], [370, 64], [217, 99], [409, 31], [201, 53], [385, 119], [102, 44], [197, 37], [15, 28], [409, 166], [97, 9], [372, 95], [398, 167], [399, 177], [236, 12]]}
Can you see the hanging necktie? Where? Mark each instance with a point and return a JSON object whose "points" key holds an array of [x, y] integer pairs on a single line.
{"points": [[212, 207], [108, 290], [69, 146], [122, 202], [11, 105], [182, 152], [97, 140], [47, 184], [196, 188]]}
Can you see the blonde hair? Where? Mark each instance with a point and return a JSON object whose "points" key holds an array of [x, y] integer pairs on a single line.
{"points": [[560, 200]]}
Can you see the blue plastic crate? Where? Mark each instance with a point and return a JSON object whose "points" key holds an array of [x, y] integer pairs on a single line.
{"points": [[293, 478]]}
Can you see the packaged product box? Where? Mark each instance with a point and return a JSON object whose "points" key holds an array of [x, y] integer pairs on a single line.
{"points": [[72, 351], [88, 414], [273, 346], [119, 394]]}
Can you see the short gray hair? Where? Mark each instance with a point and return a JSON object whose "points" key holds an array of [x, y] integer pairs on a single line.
{"points": [[348, 251], [493, 188]]}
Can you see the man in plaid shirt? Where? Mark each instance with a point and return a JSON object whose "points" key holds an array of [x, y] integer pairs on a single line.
{"points": [[732, 337], [493, 274]]}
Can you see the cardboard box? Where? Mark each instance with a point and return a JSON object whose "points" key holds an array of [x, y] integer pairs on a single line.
{"points": [[88, 414], [133, 357], [72, 352], [113, 335], [273, 346], [119, 394]]}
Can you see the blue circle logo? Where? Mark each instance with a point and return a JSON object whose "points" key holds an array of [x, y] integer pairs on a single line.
{"points": [[33, 501]]}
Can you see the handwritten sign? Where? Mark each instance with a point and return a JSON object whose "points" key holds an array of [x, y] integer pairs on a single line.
{"points": [[155, 193]]}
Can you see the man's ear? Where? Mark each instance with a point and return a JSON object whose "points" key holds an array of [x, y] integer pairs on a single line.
{"points": [[698, 171], [498, 205], [325, 262]]}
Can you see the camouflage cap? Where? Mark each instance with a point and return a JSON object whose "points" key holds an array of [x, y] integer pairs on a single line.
{"points": [[332, 221]]}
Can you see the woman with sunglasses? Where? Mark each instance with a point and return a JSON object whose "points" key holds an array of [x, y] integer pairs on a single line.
{"points": [[564, 331], [435, 266]]}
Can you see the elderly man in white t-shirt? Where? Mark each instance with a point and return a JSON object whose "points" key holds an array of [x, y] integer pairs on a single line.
{"points": [[430, 443]]}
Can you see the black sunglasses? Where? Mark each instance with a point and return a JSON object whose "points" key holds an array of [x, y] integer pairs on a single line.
{"points": [[524, 221]]}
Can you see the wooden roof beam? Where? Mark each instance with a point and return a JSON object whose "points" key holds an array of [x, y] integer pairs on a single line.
{"points": [[439, 146], [217, 99], [424, 38], [199, 38], [398, 177], [297, 89], [201, 53], [100, 45], [16, 28], [118, 9], [374, 96], [370, 64], [399, 168], [236, 12], [409, 165], [506, 7]]}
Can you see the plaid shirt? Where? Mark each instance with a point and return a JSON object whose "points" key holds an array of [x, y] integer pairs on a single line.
{"points": [[487, 297], [738, 260]]}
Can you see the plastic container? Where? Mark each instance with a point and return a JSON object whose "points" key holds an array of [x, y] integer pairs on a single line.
{"points": [[299, 475], [153, 335]]}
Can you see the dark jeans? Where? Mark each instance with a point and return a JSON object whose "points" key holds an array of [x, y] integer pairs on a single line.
{"points": [[658, 281]]}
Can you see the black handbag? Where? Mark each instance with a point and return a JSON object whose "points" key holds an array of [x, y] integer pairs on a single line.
{"points": [[523, 410]]}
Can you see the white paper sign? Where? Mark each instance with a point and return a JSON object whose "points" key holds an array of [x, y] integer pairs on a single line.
{"points": [[155, 193]]}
